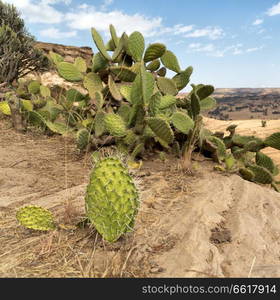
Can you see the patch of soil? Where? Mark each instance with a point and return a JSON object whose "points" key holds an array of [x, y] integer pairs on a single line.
{"points": [[172, 235]]}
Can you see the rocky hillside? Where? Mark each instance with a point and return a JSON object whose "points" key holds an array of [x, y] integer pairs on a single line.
{"points": [[68, 52]]}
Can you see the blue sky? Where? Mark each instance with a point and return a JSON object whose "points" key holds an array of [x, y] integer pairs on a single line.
{"points": [[230, 43]]}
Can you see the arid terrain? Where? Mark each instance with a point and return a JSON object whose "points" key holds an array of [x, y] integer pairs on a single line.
{"points": [[205, 225]]}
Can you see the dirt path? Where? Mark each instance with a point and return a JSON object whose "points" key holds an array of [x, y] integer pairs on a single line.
{"points": [[206, 225]]}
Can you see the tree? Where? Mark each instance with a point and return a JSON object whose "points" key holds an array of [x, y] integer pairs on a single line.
{"points": [[18, 56]]}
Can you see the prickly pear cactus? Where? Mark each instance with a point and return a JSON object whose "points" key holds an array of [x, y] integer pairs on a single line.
{"points": [[112, 199], [35, 217]]}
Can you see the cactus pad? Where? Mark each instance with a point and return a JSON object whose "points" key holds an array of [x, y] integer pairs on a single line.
{"points": [[265, 161], [5, 108], [100, 44], [115, 125], [123, 73], [182, 122], [273, 141], [35, 217], [161, 129], [136, 45], [170, 61], [261, 174], [208, 103], [167, 86], [154, 51], [83, 137], [112, 199], [69, 72], [182, 79]]}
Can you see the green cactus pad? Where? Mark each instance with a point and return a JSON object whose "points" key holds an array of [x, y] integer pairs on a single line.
{"points": [[219, 144], [273, 141], [92, 82], [208, 103], [27, 104], [161, 129], [153, 65], [35, 217], [80, 64], [110, 46], [100, 44], [167, 86], [167, 101], [115, 125], [204, 91], [112, 199], [5, 108], [74, 95], [182, 79], [55, 57], [99, 100], [117, 55], [136, 45], [195, 105], [261, 174], [34, 87], [114, 36], [69, 72], [130, 138], [246, 174], [170, 61], [57, 127], [154, 51], [45, 91], [242, 140], [98, 62], [147, 84], [182, 122], [99, 124], [123, 73], [265, 161], [125, 90], [154, 105], [137, 151], [124, 112], [114, 89], [82, 138]]}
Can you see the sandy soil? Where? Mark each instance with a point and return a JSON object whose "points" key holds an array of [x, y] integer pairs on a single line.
{"points": [[204, 225]]}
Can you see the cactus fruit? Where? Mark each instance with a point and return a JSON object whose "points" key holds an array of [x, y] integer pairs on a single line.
{"points": [[162, 130], [115, 125], [100, 44], [167, 86], [69, 72], [136, 45], [5, 108], [182, 122], [35, 217], [273, 141], [83, 137], [112, 199], [154, 51], [170, 61]]}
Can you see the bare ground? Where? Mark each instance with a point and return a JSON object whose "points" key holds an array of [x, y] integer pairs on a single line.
{"points": [[205, 225]]}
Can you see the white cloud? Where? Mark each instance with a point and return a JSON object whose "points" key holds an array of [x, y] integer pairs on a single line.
{"points": [[257, 22], [197, 47], [254, 49], [212, 50], [274, 10], [83, 20], [55, 33], [212, 33], [39, 11]]}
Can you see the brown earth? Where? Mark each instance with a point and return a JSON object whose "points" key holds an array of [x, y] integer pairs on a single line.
{"points": [[205, 225]]}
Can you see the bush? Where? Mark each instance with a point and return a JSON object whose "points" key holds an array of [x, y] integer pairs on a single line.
{"points": [[18, 57]]}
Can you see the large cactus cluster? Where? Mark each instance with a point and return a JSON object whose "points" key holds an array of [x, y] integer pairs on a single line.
{"points": [[132, 99], [246, 156]]}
